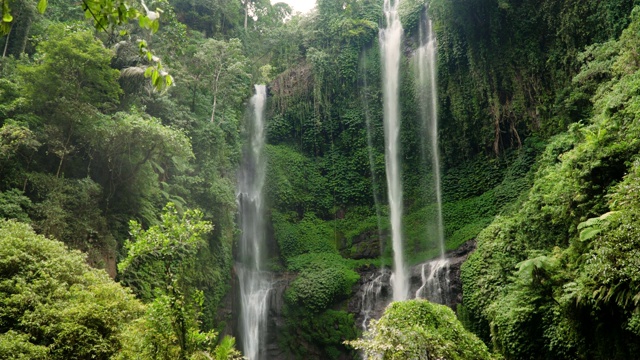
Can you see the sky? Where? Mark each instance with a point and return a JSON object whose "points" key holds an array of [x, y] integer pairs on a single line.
{"points": [[298, 5]]}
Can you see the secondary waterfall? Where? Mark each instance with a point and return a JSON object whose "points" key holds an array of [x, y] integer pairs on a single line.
{"points": [[390, 41], [434, 273], [427, 90], [371, 296], [255, 283]]}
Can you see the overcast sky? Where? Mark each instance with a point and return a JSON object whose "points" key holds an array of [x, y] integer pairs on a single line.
{"points": [[298, 5]]}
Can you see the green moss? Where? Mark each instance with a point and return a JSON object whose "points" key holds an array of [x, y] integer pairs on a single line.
{"points": [[321, 333], [323, 280], [310, 235]]}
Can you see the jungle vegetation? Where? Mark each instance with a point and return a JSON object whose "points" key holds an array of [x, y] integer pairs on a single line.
{"points": [[121, 130]]}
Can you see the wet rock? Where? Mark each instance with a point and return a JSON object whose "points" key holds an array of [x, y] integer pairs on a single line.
{"points": [[276, 321], [373, 292]]}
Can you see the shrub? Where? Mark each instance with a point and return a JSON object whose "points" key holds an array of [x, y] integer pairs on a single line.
{"points": [[418, 329], [52, 304]]}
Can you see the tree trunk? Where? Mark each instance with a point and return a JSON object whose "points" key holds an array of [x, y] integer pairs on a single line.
{"points": [[213, 109], [21, 26], [6, 42], [64, 152], [215, 95]]}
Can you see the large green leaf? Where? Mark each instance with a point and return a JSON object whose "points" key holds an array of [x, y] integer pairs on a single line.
{"points": [[42, 6]]}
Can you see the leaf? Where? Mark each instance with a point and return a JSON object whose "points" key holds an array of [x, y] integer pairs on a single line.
{"points": [[6, 17], [154, 76], [143, 22], [589, 233], [42, 6], [593, 226]]}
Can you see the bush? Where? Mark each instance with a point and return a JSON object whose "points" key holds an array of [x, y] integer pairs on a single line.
{"points": [[418, 329], [310, 235], [323, 280], [327, 331], [52, 304]]}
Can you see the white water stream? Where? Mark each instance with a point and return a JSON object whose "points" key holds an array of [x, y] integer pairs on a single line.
{"points": [[255, 283], [390, 41], [427, 90], [435, 281]]}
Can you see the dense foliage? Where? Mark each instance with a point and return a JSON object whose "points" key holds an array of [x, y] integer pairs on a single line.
{"points": [[54, 306], [563, 263], [505, 67], [165, 256], [95, 133], [418, 329], [103, 123]]}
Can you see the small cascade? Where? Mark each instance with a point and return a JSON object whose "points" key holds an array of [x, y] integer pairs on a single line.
{"points": [[372, 296], [429, 280], [255, 287], [435, 281], [390, 42], [255, 283]]}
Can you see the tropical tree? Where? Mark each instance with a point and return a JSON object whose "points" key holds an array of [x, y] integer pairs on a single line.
{"points": [[223, 68], [159, 263], [53, 305]]}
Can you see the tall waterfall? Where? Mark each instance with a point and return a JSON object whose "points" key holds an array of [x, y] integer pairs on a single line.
{"points": [[255, 283], [434, 273], [427, 90], [390, 41]]}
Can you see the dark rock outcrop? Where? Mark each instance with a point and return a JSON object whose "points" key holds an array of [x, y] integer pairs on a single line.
{"points": [[373, 292], [276, 321]]}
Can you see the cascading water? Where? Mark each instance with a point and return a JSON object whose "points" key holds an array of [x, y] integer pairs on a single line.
{"points": [[435, 281], [255, 283], [371, 295], [390, 41], [434, 273], [427, 89]]}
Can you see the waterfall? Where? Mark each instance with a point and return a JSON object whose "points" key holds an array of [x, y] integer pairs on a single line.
{"points": [[427, 90], [254, 282], [371, 296], [390, 41], [434, 273]]}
